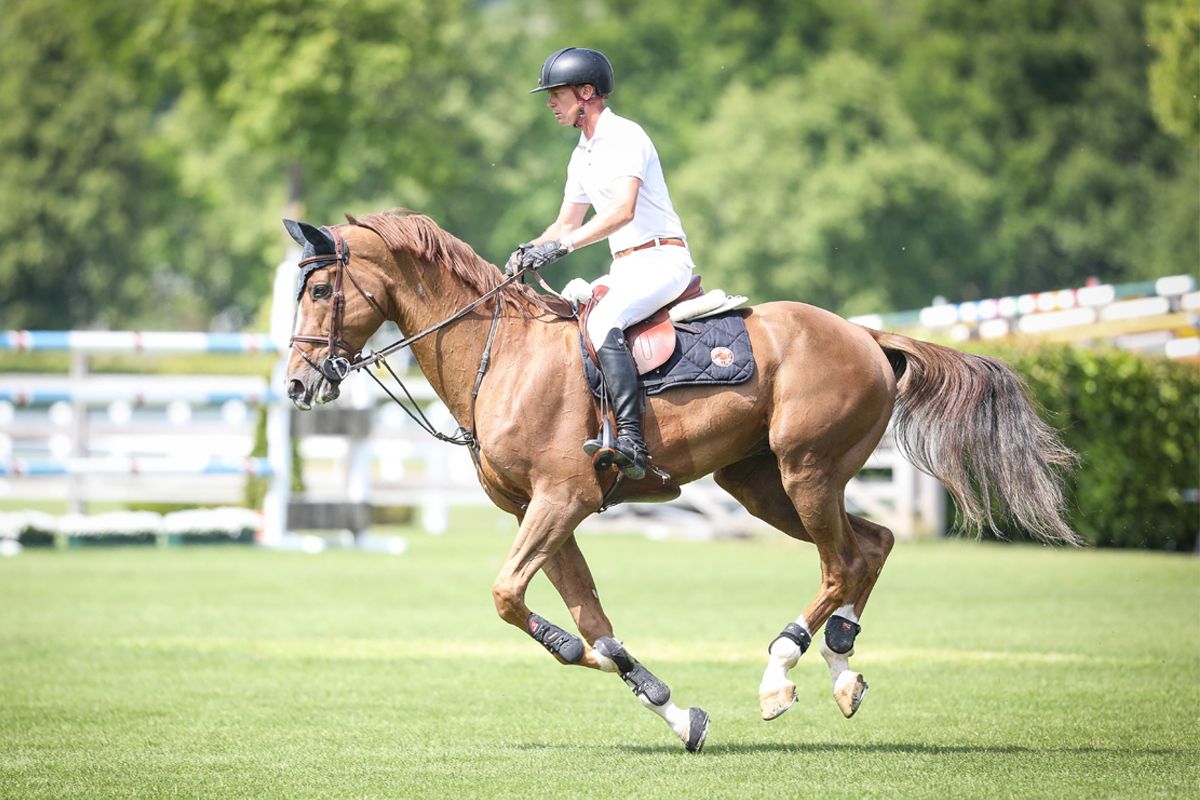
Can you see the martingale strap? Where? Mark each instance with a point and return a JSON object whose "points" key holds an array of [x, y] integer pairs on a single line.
{"points": [[336, 368]]}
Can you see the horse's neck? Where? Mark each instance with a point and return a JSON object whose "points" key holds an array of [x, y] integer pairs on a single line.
{"points": [[449, 357]]}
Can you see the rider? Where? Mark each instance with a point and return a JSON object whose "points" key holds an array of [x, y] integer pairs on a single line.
{"points": [[614, 169]]}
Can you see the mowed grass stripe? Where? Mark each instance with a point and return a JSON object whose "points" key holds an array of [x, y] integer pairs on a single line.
{"points": [[995, 672], [337, 649]]}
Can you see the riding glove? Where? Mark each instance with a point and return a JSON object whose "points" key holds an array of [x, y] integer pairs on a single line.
{"points": [[518, 255], [543, 254]]}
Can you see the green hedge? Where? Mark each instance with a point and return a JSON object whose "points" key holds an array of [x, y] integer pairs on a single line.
{"points": [[1135, 422]]}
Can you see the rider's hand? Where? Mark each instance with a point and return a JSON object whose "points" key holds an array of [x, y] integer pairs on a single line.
{"points": [[518, 255], [544, 253]]}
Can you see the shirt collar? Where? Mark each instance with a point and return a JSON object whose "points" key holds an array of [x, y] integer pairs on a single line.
{"points": [[601, 124]]}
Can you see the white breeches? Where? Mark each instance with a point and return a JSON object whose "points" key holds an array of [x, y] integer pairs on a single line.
{"points": [[638, 285]]}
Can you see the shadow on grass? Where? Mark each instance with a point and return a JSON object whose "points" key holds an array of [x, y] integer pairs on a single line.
{"points": [[734, 748]]}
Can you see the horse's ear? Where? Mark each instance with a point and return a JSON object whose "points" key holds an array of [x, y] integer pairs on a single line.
{"points": [[293, 229], [303, 234]]}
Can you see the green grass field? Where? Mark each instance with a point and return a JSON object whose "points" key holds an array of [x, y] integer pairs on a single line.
{"points": [[234, 672]]}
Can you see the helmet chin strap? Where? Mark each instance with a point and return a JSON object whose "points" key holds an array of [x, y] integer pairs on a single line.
{"points": [[582, 106]]}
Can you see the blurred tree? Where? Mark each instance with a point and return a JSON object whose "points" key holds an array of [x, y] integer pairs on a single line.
{"points": [[1049, 100], [148, 149], [71, 172], [1174, 33], [821, 189], [313, 110]]}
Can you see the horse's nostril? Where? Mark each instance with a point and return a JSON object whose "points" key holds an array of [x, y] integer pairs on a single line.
{"points": [[295, 389]]}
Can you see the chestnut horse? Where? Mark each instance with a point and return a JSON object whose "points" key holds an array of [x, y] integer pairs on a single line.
{"points": [[784, 443]]}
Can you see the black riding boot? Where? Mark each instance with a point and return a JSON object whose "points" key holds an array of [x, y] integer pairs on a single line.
{"points": [[621, 378]]}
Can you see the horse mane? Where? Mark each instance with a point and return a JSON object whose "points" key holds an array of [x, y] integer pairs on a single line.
{"points": [[405, 230]]}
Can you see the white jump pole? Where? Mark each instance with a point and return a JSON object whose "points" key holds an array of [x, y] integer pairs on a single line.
{"points": [[279, 422]]}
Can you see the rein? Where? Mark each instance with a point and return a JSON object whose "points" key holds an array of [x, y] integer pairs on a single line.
{"points": [[336, 368]]}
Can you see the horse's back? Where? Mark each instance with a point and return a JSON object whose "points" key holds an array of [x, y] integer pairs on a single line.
{"points": [[818, 340]]}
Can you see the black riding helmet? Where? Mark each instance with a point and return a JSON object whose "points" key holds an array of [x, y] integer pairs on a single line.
{"points": [[575, 66]]}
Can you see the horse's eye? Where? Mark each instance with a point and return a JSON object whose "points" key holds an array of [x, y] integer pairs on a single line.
{"points": [[321, 291]]}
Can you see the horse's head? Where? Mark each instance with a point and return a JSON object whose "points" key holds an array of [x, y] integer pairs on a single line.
{"points": [[332, 324]]}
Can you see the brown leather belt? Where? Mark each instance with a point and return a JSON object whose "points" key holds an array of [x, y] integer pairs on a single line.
{"points": [[651, 243]]}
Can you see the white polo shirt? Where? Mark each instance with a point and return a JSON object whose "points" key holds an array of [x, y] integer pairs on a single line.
{"points": [[619, 148]]}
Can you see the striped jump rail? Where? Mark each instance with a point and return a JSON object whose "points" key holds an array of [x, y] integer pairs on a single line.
{"points": [[96, 395], [137, 341], [133, 466]]}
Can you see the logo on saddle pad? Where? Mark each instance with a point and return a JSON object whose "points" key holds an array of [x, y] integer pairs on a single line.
{"points": [[721, 356]]}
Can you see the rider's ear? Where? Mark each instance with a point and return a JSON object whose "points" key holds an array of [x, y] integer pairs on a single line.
{"points": [[303, 233]]}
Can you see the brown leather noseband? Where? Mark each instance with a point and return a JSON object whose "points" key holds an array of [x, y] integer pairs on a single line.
{"points": [[335, 367]]}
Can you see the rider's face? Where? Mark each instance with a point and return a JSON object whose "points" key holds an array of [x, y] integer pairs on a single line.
{"points": [[563, 103]]}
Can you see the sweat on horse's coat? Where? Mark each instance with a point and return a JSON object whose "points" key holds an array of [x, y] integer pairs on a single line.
{"points": [[784, 442]]}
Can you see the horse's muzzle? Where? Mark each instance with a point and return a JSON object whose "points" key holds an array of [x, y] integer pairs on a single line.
{"points": [[297, 392], [300, 394], [322, 390]]}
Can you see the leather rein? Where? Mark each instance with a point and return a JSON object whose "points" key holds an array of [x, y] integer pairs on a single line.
{"points": [[336, 368]]}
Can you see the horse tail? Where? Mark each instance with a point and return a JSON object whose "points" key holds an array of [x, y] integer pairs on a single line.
{"points": [[968, 421]]}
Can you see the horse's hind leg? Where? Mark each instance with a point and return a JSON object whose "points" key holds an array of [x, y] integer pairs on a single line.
{"points": [[759, 484], [845, 572], [876, 542], [568, 571], [842, 628]]}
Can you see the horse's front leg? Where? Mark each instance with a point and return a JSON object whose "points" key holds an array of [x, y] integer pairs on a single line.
{"points": [[546, 524], [567, 569]]}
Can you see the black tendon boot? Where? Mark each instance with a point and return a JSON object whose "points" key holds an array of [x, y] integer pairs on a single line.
{"points": [[621, 378]]}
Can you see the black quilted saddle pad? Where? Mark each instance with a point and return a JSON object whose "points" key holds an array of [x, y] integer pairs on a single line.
{"points": [[708, 352]]}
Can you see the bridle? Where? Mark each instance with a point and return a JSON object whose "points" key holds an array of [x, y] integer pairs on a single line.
{"points": [[334, 367]]}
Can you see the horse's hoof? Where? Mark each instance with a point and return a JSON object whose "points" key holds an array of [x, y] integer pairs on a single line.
{"points": [[849, 692], [776, 701], [697, 730]]}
